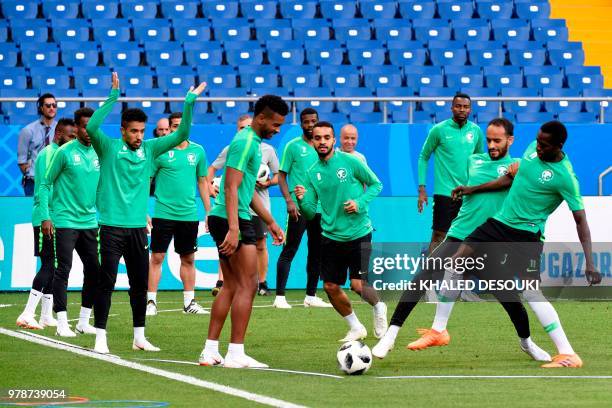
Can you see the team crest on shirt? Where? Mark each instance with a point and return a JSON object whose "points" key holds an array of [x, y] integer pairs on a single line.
{"points": [[341, 173], [191, 158], [469, 136], [76, 158], [502, 170], [140, 153], [171, 154], [546, 176], [96, 164]]}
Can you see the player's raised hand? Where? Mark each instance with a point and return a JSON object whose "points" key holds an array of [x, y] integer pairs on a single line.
{"points": [[199, 89], [278, 235], [592, 276], [351, 207], [115, 78]]}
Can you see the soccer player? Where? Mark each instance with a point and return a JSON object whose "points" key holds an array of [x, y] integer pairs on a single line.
{"points": [[475, 210], [348, 141], [125, 171], [70, 185], [544, 180], [162, 127], [231, 228], [176, 215], [297, 157], [42, 285], [336, 180]]}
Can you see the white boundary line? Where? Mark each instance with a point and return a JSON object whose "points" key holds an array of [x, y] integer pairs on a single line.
{"points": [[76, 319], [235, 392], [467, 377]]}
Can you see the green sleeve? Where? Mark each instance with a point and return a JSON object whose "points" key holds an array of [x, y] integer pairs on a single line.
{"points": [[154, 168], [99, 140], [287, 159], [51, 174], [479, 148], [202, 168], [239, 153], [428, 148], [308, 204], [163, 144], [367, 177], [570, 191]]}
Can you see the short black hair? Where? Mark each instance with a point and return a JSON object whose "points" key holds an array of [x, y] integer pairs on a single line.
{"points": [[308, 111], [273, 102], [133, 115], [505, 123], [557, 130], [44, 96], [462, 95], [324, 124], [85, 112], [63, 122], [175, 115]]}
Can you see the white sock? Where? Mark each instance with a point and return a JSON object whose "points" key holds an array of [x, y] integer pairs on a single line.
{"points": [[139, 335], [211, 346], [152, 296], [525, 342], [62, 319], [379, 307], [84, 315], [392, 332], [280, 298], [353, 321], [443, 311], [548, 317], [235, 349], [188, 296], [101, 337], [309, 298], [47, 306], [33, 299]]}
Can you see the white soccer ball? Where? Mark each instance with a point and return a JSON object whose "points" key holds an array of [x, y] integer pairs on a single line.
{"points": [[264, 173], [354, 358], [217, 182]]}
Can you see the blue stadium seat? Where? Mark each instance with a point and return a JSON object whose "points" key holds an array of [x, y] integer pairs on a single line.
{"points": [[299, 76], [8, 55], [532, 9], [179, 10], [139, 9], [423, 77], [192, 30], [494, 9], [438, 106], [208, 119], [325, 55], [565, 53], [354, 106], [203, 52], [61, 9], [458, 77], [543, 77], [73, 30], [511, 29], [151, 29], [417, 117], [503, 76], [245, 56], [229, 106], [455, 9], [417, 10], [395, 105], [149, 107], [100, 9], [577, 117], [561, 105], [258, 76], [219, 77], [526, 53], [14, 78], [19, 9], [378, 9], [406, 52], [220, 9], [383, 76], [596, 107], [366, 117], [3, 31], [163, 54], [311, 30], [47, 78], [366, 52], [28, 31], [272, 29], [392, 29], [321, 107], [114, 30], [471, 29], [102, 93], [334, 9], [579, 77], [351, 29], [486, 53], [47, 57], [340, 76], [241, 32], [520, 106], [286, 56], [479, 106], [298, 9], [452, 54], [175, 77], [65, 108], [534, 117], [87, 78], [136, 78], [260, 91], [434, 29], [545, 30], [258, 9], [20, 111], [120, 54]]}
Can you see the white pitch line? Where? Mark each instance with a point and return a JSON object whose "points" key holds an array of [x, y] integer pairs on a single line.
{"points": [[63, 343], [278, 370], [76, 319], [1, 306], [467, 377], [235, 392]]}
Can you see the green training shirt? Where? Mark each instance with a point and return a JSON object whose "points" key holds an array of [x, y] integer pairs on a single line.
{"points": [[297, 158], [125, 174], [244, 155], [538, 189], [39, 213], [176, 175], [451, 146], [477, 208], [333, 182], [73, 177]]}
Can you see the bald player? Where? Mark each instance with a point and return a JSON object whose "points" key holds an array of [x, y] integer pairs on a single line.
{"points": [[348, 141], [162, 128]]}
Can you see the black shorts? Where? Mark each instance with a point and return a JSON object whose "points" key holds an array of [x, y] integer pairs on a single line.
{"points": [[515, 252], [185, 234], [445, 210], [218, 227], [43, 246], [337, 257], [261, 229]]}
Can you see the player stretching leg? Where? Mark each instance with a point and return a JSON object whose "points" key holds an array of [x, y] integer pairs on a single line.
{"points": [[337, 180], [42, 288], [231, 227], [125, 173]]}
